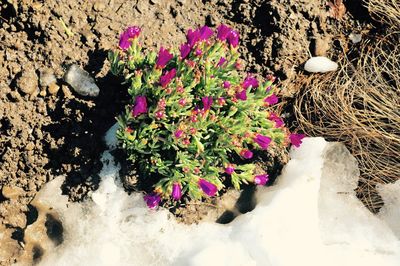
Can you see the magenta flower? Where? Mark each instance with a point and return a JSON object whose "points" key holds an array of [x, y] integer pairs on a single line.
{"points": [[242, 95], [185, 50], [207, 102], [250, 81], [127, 35], [140, 106], [222, 60], [198, 52], [226, 84], [208, 188], [261, 180], [221, 101], [278, 121], [271, 100], [263, 141], [223, 32], [205, 33], [182, 102], [176, 191], [178, 133], [246, 154], [167, 77], [296, 139], [193, 36], [163, 57], [152, 200], [230, 169], [233, 38]]}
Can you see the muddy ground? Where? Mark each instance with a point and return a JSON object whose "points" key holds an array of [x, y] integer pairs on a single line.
{"points": [[50, 130]]}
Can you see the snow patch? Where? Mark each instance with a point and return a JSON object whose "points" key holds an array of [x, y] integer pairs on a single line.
{"points": [[310, 217]]}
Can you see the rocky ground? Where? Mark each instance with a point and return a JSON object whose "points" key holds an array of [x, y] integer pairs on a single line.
{"points": [[47, 129]]}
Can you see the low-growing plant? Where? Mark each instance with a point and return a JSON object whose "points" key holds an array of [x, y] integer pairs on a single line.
{"points": [[194, 119]]}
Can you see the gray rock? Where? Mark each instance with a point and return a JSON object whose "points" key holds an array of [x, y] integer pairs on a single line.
{"points": [[81, 82]]}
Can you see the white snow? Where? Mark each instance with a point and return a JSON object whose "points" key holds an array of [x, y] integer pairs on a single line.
{"points": [[320, 64], [311, 217]]}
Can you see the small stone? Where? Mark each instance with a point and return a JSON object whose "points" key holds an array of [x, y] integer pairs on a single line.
{"points": [[355, 38], [81, 81], [320, 64], [53, 88], [67, 92], [321, 46], [12, 192], [43, 93], [28, 82], [46, 78], [30, 146], [99, 6]]}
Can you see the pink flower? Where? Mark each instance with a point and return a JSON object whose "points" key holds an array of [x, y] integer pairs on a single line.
{"points": [[167, 77], [162, 103], [278, 121], [250, 81], [271, 100], [186, 141], [296, 139], [152, 200], [182, 102], [185, 50], [207, 102], [178, 133], [233, 38], [205, 33], [261, 180], [180, 89], [223, 32], [198, 52], [176, 191], [193, 36], [126, 37], [226, 84], [160, 115], [163, 58], [230, 169], [208, 188], [246, 154], [221, 101], [242, 95], [263, 141], [222, 60], [140, 106]]}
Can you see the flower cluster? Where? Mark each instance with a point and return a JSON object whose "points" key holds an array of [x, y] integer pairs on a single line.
{"points": [[194, 122]]}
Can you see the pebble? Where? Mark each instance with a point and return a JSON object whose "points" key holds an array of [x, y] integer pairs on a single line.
{"points": [[28, 82], [99, 6], [355, 38], [320, 64], [67, 92], [12, 192], [81, 82], [53, 88], [321, 46], [46, 78]]}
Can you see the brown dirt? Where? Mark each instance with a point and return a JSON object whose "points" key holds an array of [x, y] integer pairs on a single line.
{"points": [[49, 131]]}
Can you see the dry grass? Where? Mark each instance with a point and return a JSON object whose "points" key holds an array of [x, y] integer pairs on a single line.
{"points": [[360, 106], [386, 11]]}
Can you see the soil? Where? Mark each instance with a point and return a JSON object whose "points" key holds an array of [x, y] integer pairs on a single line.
{"points": [[48, 130]]}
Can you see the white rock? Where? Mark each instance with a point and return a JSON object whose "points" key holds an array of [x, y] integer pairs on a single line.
{"points": [[355, 38], [81, 81], [320, 64]]}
